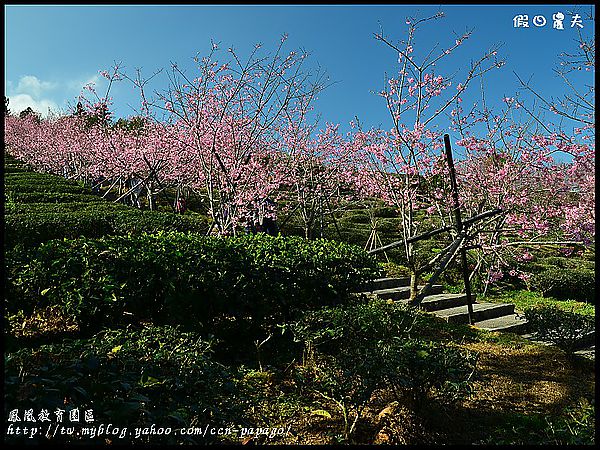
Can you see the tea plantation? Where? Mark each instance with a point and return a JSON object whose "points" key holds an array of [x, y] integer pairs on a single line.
{"points": [[174, 336]]}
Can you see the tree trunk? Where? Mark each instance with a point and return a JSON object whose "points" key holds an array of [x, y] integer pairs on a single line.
{"points": [[413, 284]]}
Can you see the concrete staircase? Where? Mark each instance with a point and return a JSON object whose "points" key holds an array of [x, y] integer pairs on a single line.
{"points": [[452, 307]]}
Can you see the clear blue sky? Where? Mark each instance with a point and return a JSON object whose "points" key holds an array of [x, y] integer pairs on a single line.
{"points": [[51, 51]]}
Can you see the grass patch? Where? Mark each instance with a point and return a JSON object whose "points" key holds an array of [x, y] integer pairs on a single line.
{"points": [[523, 299]]}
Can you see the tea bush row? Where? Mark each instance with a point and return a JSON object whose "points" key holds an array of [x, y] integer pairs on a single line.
{"points": [[566, 284], [234, 285], [565, 329], [50, 197], [30, 229], [130, 377]]}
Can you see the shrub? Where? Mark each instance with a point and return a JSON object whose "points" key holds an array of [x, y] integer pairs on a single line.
{"points": [[354, 326], [354, 349], [575, 426], [395, 270], [346, 352], [36, 176], [555, 261], [51, 197], [31, 229], [136, 221], [64, 207], [355, 217], [566, 263], [566, 284], [563, 328], [430, 370], [217, 284], [34, 186], [17, 179], [349, 387], [13, 169], [132, 378], [386, 211]]}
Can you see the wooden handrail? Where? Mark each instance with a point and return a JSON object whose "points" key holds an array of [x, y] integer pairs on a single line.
{"points": [[466, 223]]}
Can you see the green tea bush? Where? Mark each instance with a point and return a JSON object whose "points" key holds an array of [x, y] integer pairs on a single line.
{"points": [[576, 425], [13, 169], [130, 378], [555, 261], [352, 350], [566, 284], [136, 221], [565, 329], [355, 217], [15, 178], [367, 324], [51, 197], [347, 351], [348, 386], [566, 263], [395, 270], [210, 283], [31, 229], [64, 207], [54, 186], [428, 370], [386, 211], [18, 179]]}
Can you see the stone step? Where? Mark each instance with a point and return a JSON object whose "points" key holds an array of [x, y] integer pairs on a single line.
{"points": [[509, 324], [387, 283], [438, 302], [403, 293], [481, 312]]}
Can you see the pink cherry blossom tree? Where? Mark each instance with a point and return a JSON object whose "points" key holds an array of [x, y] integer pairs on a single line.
{"points": [[230, 119], [405, 165], [319, 172], [542, 174]]}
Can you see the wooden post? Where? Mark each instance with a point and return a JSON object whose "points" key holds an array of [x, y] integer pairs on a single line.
{"points": [[459, 226]]}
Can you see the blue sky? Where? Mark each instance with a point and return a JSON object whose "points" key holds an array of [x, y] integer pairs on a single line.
{"points": [[52, 51]]}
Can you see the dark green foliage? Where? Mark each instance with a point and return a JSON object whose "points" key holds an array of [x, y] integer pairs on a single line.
{"points": [[54, 186], [566, 263], [42, 207], [565, 329], [566, 284], [395, 270], [28, 230], [385, 336], [386, 211], [13, 169], [30, 112], [430, 370], [26, 177], [137, 221], [369, 324], [132, 378], [576, 426], [31, 229], [217, 284], [354, 349], [133, 124], [51, 197], [64, 207]]}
